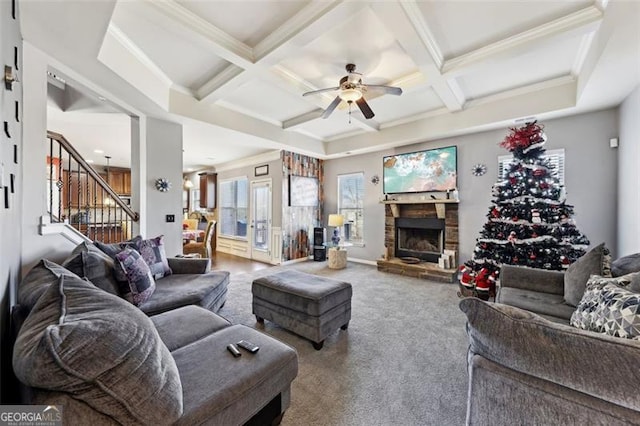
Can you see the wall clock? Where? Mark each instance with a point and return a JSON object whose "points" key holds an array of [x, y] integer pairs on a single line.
{"points": [[479, 169], [163, 185]]}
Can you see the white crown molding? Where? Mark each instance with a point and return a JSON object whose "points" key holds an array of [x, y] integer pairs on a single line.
{"points": [[249, 161], [416, 17], [585, 20], [207, 92], [581, 54], [299, 22], [224, 44], [248, 112], [138, 53]]}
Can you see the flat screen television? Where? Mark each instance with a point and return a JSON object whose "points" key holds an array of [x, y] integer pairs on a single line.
{"points": [[421, 171]]}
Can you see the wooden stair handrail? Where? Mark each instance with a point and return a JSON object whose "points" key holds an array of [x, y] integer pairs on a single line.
{"points": [[95, 175]]}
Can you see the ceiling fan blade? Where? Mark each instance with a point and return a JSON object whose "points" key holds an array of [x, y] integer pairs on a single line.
{"points": [[364, 107], [331, 107], [386, 89], [313, 92]]}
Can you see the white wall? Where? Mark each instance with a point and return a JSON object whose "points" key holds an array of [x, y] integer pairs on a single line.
{"points": [[629, 175], [590, 180], [164, 160], [10, 218]]}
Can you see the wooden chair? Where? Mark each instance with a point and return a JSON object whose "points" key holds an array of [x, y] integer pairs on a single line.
{"points": [[203, 248]]}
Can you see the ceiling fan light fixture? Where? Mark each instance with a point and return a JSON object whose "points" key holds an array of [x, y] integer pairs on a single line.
{"points": [[350, 95]]}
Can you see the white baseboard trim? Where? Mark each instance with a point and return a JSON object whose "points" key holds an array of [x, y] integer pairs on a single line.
{"points": [[292, 261], [363, 261]]}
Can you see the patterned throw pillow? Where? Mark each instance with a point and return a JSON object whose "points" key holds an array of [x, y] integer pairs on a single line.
{"points": [[618, 313], [152, 251], [114, 248], [141, 283], [584, 315]]}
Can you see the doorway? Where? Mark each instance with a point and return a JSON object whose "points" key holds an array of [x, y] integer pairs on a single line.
{"points": [[260, 220]]}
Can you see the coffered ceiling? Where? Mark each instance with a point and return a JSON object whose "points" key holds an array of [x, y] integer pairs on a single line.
{"points": [[233, 72]]}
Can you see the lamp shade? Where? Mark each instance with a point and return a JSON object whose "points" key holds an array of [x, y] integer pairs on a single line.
{"points": [[350, 95], [336, 220], [188, 184]]}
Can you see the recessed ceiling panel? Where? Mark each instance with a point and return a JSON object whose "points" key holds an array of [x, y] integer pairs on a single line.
{"points": [[546, 62], [463, 26], [390, 108], [186, 63], [363, 40], [263, 99], [246, 21]]}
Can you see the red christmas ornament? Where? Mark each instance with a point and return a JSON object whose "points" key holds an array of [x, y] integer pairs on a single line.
{"points": [[495, 212], [532, 256], [512, 181], [539, 172]]}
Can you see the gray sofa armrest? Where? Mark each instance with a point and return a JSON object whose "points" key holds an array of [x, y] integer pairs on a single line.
{"points": [[185, 265], [573, 358], [541, 280]]}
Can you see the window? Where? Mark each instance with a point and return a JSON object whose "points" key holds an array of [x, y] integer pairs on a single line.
{"points": [[195, 200], [350, 206], [555, 157], [234, 203]]}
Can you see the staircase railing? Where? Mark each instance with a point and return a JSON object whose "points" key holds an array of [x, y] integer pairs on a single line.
{"points": [[79, 195]]}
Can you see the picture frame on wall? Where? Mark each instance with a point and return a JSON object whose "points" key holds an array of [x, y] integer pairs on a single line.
{"points": [[261, 170], [303, 191]]}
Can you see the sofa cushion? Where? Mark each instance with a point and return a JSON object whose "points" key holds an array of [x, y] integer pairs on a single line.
{"points": [[152, 251], [578, 273], [141, 282], [183, 326], [207, 290], [573, 358], [552, 305], [584, 315], [101, 350], [38, 280], [94, 265], [243, 385], [626, 265]]}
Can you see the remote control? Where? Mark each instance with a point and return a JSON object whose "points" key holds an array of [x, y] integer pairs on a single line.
{"points": [[234, 351], [248, 346]]}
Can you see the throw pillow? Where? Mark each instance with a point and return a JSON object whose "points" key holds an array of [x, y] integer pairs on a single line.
{"points": [[584, 315], [114, 248], [578, 273], [141, 283], [625, 265], [101, 350], [38, 280], [152, 251], [95, 266], [618, 313]]}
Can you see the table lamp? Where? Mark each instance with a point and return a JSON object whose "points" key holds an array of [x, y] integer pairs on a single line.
{"points": [[336, 220]]}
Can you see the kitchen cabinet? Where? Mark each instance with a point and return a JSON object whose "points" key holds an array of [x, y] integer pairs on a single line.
{"points": [[208, 182], [120, 181]]}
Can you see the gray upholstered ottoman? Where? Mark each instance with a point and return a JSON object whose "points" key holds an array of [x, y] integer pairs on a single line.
{"points": [[308, 305]]}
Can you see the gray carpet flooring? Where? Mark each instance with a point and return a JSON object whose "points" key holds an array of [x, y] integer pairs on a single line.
{"points": [[401, 362]]}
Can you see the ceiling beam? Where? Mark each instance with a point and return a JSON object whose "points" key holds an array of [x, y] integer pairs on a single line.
{"points": [[581, 22]]}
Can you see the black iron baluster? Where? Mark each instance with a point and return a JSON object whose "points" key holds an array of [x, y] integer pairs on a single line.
{"points": [[50, 180]]}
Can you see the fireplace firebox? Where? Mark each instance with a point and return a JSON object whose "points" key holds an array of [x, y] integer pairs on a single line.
{"points": [[422, 238]]}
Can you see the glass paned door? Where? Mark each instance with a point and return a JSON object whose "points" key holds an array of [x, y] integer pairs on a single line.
{"points": [[261, 220]]}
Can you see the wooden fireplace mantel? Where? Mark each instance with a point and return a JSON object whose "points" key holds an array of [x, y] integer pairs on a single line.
{"points": [[439, 205]]}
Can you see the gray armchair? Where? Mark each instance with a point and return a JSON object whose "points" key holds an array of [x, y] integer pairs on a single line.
{"points": [[535, 290]]}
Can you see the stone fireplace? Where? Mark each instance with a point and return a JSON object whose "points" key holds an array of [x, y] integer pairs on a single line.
{"points": [[420, 229]]}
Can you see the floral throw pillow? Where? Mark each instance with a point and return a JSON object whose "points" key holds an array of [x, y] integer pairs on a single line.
{"points": [[141, 283], [113, 249], [152, 251]]}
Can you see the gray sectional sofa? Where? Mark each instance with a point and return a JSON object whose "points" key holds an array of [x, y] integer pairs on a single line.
{"points": [[526, 370], [80, 345]]}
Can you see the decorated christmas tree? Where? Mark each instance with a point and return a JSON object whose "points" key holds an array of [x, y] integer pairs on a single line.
{"points": [[529, 222]]}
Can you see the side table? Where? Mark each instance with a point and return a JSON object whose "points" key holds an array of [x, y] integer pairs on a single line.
{"points": [[337, 258]]}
